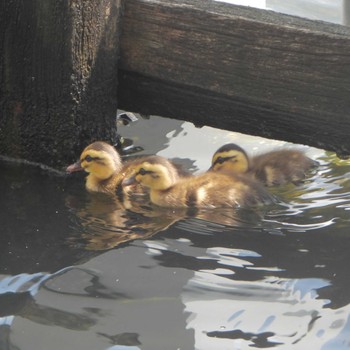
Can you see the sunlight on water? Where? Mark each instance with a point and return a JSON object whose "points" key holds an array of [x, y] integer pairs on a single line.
{"points": [[335, 11], [79, 271]]}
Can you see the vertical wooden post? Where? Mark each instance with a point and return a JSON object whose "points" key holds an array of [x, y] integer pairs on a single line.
{"points": [[58, 86]]}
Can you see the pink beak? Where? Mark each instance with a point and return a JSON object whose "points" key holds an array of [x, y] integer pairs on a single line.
{"points": [[74, 167]]}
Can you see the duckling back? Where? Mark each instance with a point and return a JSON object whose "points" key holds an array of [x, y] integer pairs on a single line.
{"points": [[281, 167], [213, 190]]}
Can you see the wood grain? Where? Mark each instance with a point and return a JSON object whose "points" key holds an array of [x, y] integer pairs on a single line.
{"points": [[238, 68], [58, 82]]}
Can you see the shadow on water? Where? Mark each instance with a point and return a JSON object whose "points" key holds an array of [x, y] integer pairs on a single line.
{"points": [[73, 263]]}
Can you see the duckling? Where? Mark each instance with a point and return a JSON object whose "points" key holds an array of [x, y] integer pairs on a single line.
{"points": [[272, 169], [104, 167], [106, 170], [209, 190]]}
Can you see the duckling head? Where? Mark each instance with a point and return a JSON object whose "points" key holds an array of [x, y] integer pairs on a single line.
{"points": [[99, 159], [156, 172], [230, 158]]}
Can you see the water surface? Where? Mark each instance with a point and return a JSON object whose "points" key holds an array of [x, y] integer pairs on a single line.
{"points": [[78, 271]]}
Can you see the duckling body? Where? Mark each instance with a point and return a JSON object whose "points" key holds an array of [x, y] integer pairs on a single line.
{"points": [[281, 167], [209, 190], [272, 168]]}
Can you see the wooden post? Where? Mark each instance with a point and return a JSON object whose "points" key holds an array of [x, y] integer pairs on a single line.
{"points": [[58, 82]]}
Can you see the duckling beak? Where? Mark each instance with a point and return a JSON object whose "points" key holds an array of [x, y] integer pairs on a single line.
{"points": [[129, 181], [74, 167]]}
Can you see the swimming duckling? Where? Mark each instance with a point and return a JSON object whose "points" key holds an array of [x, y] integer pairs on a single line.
{"points": [[272, 168], [208, 190], [103, 164], [105, 169]]}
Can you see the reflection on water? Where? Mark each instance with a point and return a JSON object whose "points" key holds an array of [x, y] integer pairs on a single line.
{"points": [[284, 318], [104, 223], [82, 271]]}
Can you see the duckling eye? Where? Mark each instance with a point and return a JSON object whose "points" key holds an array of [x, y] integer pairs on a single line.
{"points": [[88, 158], [220, 160], [142, 171]]}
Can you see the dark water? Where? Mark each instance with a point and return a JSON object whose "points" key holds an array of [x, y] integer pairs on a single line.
{"points": [[80, 272]]}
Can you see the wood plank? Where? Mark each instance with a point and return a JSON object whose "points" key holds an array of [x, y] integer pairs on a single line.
{"points": [[237, 68]]}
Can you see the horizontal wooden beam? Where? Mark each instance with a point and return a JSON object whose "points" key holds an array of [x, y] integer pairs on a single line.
{"points": [[237, 68]]}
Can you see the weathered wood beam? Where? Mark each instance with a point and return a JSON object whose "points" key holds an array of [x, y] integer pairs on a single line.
{"points": [[58, 77], [237, 68]]}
